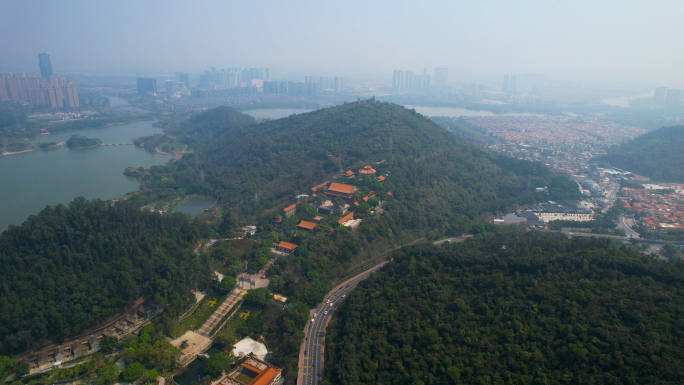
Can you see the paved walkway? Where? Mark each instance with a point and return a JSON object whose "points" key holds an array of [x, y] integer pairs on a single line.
{"points": [[196, 344], [233, 298]]}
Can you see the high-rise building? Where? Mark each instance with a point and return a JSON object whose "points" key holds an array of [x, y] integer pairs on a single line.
{"points": [[4, 95], [169, 88], [674, 98], [397, 79], [282, 88], [13, 87], [271, 87], [408, 79], [441, 76], [147, 86], [339, 84], [49, 90], [659, 96], [184, 78], [71, 94], [45, 65], [506, 83], [513, 85]]}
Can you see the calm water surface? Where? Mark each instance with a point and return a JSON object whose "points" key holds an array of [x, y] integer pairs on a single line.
{"points": [[32, 180], [275, 113], [195, 370], [195, 206], [120, 104]]}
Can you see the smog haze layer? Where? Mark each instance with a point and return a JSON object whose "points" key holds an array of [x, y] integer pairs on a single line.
{"points": [[618, 41]]}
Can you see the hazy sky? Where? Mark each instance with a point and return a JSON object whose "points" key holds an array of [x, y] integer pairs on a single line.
{"points": [[622, 40]]}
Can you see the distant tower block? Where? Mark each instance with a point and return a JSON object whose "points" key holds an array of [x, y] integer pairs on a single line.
{"points": [[45, 65]]}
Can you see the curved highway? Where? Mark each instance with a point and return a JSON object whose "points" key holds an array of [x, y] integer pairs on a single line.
{"points": [[628, 230], [311, 353]]}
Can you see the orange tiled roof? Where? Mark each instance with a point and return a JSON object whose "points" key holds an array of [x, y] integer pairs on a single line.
{"points": [[389, 193], [315, 188], [381, 178], [250, 367], [349, 173], [345, 218], [264, 377], [287, 245], [365, 199], [367, 170], [306, 225], [288, 208], [342, 188]]}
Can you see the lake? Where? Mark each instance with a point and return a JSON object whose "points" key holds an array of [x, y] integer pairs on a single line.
{"points": [[274, 113], [195, 206], [455, 112], [120, 104], [195, 370], [623, 101], [35, 179]]}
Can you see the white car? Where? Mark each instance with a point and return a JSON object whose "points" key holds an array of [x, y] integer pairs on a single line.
{"points": [[344, 295], [326, 312]]}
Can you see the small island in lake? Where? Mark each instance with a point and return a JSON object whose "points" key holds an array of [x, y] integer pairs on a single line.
{"points": [[137, 172], [79, 141]]}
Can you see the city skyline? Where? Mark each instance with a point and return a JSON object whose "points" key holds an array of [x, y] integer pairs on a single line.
{"points": [[578, 40]]}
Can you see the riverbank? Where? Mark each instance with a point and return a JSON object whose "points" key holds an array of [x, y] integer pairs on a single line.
{"points": [[46, 135], [98, 127], [18, 152]]}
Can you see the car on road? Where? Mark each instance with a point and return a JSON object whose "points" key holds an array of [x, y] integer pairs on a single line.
{"points": [[314, 364], [326, 312], [330, 305], [306, 351], [344, 295]]}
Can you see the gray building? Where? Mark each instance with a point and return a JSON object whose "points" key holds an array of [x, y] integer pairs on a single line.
{"points": [[441, 76], [45, 65], [147, 86]]}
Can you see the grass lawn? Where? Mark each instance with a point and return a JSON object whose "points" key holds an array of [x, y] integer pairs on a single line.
{"points": [[244, 378], [199, 316], [230, 331]]}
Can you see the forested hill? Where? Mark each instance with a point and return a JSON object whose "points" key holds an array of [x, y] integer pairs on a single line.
{"points": [[513, 309], [437, 176], [657, 155], [67, 268], [203, 128]]}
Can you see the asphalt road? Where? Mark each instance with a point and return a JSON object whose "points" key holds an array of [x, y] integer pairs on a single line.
{"points": [[312, 350], [628, 230], [311, 361]]}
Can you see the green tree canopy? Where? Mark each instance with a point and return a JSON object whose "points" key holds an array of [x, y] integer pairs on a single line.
{"points": [[108, 374], [257, 297], [133, 372]]}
